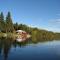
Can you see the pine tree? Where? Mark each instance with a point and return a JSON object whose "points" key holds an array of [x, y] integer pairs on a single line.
{"points": [[2, 22], [9, 23], [16, 26]]}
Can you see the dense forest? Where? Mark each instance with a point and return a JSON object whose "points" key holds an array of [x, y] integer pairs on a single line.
{"points": [[7, 25]]}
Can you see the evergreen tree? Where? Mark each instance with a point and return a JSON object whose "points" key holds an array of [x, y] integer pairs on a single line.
{"points": [[2, 22], [9, 23], [16, 26]]}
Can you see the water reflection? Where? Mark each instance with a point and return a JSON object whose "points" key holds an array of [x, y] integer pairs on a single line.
{"points": [[43, 51], [0, 46], [6, 44], [20, 39]]}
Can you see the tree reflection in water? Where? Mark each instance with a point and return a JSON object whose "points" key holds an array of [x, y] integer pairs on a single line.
{"points": [[6, 45]]}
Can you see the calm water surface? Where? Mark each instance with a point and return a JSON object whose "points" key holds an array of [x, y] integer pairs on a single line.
{"points": [[11, 50]]}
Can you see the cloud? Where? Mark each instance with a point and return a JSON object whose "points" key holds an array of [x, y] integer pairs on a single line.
{"points": [[54, 25], [55, 21]]}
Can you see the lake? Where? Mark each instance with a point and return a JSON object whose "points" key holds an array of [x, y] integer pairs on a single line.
{"points": [[12, 50]]}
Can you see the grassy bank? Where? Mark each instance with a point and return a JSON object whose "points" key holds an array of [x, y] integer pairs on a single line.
{"points": [[8, 35]]}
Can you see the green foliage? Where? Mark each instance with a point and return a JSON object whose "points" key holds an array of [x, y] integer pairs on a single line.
{"points": [[37, 35], [16, 26], [9, 23], [1, 22], [43, 35], [34, 35]]}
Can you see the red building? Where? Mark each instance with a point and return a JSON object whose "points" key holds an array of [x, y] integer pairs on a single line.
{"points": [[22, 34]]}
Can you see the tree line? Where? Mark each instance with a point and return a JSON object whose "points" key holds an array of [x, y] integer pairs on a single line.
{"points": [[7, 25]]}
